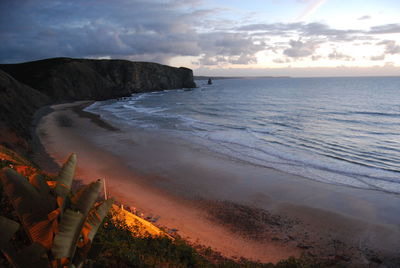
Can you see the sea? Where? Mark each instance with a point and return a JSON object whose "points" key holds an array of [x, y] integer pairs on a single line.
{"points": [[339, 130]]}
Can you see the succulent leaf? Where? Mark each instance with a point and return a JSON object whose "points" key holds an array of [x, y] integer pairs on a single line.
{"points": [[31, 207], [67, 233], [65, 177], [12, 156], [96, 217], [89, 230], [64, 243], [16, 187], [86, 197], [7, 230], [38, 181], [43, 232]]}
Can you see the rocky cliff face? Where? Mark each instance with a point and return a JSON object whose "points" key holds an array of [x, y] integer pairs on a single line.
{"points": [[64, 79], [18, 102], [27, 86]]}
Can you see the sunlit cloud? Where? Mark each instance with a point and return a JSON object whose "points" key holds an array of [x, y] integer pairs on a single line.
{"points": [[189, 33]]}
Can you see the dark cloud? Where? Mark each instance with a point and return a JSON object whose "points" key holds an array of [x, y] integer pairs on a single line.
{"points": [[317, 29], [300, 49], [386, 70], [36, 29], [92, 28], [157, 30], [123, 29], [320, 29], [390, 47], [304, 29], [365, 17], [223, 47], [386, 29], [316, 57], [280, 61], [335, 55], [378, 57], [274, 27]]}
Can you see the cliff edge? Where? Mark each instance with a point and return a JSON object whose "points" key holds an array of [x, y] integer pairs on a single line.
{"points": [[25, 87], [18, 102], [66, 79]]}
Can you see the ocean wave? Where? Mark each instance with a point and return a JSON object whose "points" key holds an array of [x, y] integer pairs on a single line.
{"points": [[145, 110], [291, 161], [335, 136], [379, 114]]}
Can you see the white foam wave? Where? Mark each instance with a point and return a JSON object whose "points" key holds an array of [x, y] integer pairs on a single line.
{"points": [[219, 129]]}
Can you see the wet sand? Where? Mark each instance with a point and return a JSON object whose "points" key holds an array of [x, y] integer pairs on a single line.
{"points": [[236, 208]]}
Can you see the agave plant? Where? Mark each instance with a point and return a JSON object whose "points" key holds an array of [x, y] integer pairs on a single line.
{"points": [[60, 224]]}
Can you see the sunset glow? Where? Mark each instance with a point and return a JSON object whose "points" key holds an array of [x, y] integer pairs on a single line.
{"points": [[270, 37]]}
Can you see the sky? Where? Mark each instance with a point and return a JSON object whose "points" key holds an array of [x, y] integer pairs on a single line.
{"points": [[212, 37]]}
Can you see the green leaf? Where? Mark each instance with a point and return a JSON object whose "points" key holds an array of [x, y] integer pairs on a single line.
{"points": [[16, 186], [65, 177], [96, 217], [86, 197], [40, 184], [64, 244], [13, 157], [7, 229], [89, 229], [43, 232], [32, 208]]}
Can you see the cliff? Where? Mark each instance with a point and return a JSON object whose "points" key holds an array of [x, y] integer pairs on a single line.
{"points": [[65, 79], [18, 102], [27, 86]]}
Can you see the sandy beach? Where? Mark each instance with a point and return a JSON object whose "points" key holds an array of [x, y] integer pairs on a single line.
{"points": [[238, 209]]}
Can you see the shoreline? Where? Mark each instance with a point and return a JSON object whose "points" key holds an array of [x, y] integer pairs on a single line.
{"points": [[167, 196]]}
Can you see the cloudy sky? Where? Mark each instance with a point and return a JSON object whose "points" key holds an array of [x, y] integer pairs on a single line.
{"points": [[213, 37]]}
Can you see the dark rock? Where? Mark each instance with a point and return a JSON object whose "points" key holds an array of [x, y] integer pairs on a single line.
{"points": [[18, 102], [302, 246], [342, 258], [27, 86], [375, 259], [65, 79]]}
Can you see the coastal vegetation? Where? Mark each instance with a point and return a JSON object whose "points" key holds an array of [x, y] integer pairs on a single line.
{"points": [[59, 226], [46, 221], [122, 245]]}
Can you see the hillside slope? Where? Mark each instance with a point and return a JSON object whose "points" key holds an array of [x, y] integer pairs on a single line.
{"points": [[25, 87], [18, 102], [65, 79]]}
